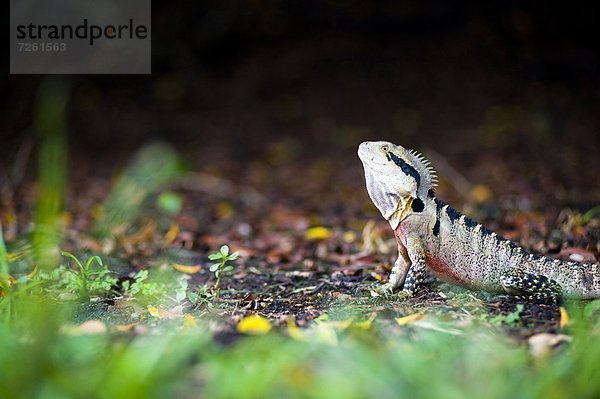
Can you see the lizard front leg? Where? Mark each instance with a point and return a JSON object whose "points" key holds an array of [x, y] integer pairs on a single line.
{"points": [[398, 274], [409, 271], [417, 273]]}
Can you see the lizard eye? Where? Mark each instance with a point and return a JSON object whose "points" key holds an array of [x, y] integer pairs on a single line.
{"points": [[385, 148]]}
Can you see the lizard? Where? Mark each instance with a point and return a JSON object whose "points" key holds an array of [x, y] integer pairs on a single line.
{"points": [[434, 238]]}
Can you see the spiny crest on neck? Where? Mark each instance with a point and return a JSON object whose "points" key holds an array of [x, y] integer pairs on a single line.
{"points": [[428, 176]]}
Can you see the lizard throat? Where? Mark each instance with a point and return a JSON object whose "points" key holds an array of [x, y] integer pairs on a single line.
{"points": [[403, 210]]}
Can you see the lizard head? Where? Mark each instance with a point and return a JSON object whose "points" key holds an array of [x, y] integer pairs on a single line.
{"points": [[398, 180]]}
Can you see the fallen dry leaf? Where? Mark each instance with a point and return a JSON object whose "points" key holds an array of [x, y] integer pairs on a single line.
{"points": [[409, 319], [254, 324], [564, 317], [173, 313], [187, 269], [350, 236], [339, 325], [541, 345], [365, 324], [480, 194], [317, 233], [189, 321], [294, 331], [577, 254], [88, 327], [172, 233], [142, 235], [153, 311], [124, 327]]}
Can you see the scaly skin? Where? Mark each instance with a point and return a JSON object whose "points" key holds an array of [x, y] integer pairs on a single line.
{"points": [[433, 237]]}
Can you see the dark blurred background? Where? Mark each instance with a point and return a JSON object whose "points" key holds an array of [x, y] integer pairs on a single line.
{"points": [[282, 81]]}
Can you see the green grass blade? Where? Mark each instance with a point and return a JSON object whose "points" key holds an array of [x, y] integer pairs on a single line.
{"points": [[51, 128], [4, 272], [153, 166]]}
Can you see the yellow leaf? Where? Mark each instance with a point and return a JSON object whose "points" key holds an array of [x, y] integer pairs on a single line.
{"points": [[97, 212], [153, 312], [224, 210], [65, 218], [143, 235], [9, 218], [33, 273], [187, 269], [124, 327], [564, 317], [189, 321], [14, 256], [11, 282], [254, 324], [317, 233], [172, 233], [294, 331], [322, 332], [366, 324], [481, 194], [349, 236], [335, 324], [409, 319]]}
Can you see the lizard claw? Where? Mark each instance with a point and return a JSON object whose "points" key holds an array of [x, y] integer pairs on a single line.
{"points": [[403, 295], [385, 291]]}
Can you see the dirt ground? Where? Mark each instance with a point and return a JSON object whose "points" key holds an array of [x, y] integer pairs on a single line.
{"points": [[508, 117]]}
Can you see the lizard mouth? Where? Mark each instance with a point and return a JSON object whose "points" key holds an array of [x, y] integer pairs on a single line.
{"points": [[368, 158]]}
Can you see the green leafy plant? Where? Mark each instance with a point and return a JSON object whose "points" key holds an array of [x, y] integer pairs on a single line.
{"points": [[144, 289], [151, 289], [222, 266], [512, 319], [201, 295], [85, 280]]}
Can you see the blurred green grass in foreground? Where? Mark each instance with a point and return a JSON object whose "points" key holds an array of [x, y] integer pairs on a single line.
{"points": [[40, 359]]}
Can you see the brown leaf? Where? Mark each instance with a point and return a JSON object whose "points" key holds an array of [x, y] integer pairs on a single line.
{"points": [[88, 327], [143, 235], [577, 255], [124, 327], [541, 345], [187, 269]]}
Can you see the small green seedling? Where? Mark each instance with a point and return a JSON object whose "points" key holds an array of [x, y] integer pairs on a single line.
{"points": [[201, 295], [221, 267], [88, 280]]}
